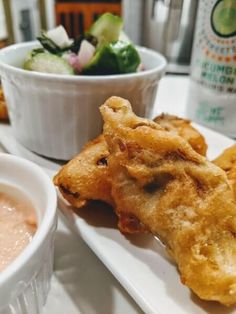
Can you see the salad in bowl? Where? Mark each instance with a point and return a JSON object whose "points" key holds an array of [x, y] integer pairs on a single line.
{"points": [[53, 90], [103, 50]]}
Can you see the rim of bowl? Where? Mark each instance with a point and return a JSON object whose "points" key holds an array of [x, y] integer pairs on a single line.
{"points": [[42, 230], [62, 77]]}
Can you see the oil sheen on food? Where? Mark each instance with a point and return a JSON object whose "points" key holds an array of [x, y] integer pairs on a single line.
{"points": [[18, 223]]}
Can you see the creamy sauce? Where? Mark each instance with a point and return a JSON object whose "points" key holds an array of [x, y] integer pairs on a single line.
{"points": [[18, 223]]}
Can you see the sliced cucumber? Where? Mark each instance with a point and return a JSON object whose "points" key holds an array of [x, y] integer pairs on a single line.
{"points": [[116, 58], [48, 63], [127, 56], [103, 63], [107, 28]]}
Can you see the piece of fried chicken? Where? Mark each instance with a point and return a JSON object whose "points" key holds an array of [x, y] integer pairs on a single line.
{"points": [[86, 177], [183, 128], [3, 107], [227, 162], [176, 194]]}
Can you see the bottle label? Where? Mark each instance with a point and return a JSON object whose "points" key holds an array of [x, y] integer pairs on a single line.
{"points": [[214, 56], [215, 110]]}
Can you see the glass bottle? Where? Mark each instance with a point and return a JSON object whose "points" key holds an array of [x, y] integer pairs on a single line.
{"points": [[212, 90]]}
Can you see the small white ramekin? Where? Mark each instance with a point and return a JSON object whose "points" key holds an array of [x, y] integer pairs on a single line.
{"points": [[25, 283], [55, 115]]}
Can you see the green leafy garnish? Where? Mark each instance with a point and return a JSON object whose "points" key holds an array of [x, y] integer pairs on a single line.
{"points": [[53, 48], [50, 46], [36, 51]]}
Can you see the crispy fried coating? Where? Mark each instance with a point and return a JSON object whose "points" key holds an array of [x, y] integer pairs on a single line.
{"points": [[177, 195], [77, 180], [3, 108], [86, 176], [227, 162], [183, 128]]}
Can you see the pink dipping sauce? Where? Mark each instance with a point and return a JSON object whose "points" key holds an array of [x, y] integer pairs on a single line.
{"points": [[18, 223]]}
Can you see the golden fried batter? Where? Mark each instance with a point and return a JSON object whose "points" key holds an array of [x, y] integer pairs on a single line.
{"points": [[86, 176], [227, 162], [177, 195], [3, 108], [183, 128], [89, 173]]}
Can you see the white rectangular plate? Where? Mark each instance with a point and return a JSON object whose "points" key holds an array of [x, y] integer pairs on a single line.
{"points": [[139, 262]]}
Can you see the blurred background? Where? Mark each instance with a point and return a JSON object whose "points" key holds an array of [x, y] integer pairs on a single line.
{"points": [[166, 26]]}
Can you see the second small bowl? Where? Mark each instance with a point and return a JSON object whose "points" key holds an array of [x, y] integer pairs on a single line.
{"points": [[25, 283], [55, 115]]}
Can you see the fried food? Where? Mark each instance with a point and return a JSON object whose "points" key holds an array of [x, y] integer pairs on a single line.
{"points": [[89, 169], [176, 194], [183, 128], [227, 162], [86, 176], [3, 108]]}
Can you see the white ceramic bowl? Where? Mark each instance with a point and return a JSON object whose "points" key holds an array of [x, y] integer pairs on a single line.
{"points": [[25, 283], [55, 115]]}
